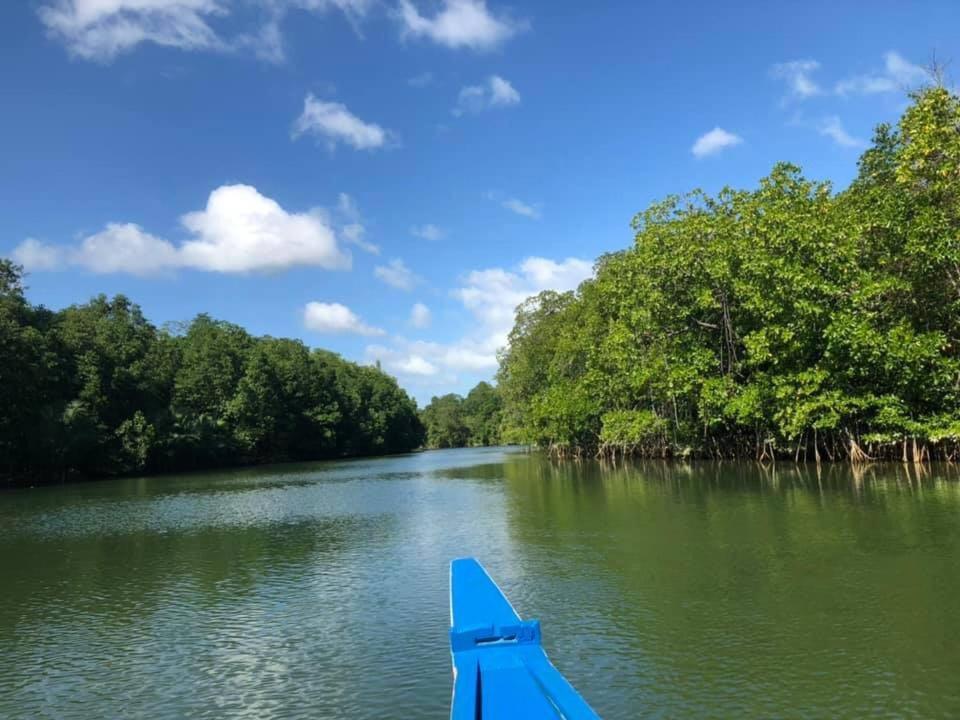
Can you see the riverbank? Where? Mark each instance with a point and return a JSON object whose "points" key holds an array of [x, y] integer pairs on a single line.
{"points": [[786, 321], [96, 390]]}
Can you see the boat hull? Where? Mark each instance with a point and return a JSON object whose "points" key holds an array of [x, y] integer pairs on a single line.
{"points": [[500, 668]]}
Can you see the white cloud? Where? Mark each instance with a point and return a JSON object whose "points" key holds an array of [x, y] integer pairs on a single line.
{"points": [[832, 127], [416, 365], [446, 361], [796, 74], [239, 230], [497, 92], [712, 142], [333, 123], [459, 24], [898, 75], [396, 274], [903, 71], [521, 208], [354, 231], [421, 80], [491, 297], [546, 274], [267, 42], [420, 315], [34, 254], [408, 365], [102, 29], [335, 318], [125, 247], [427, 232], [502, 92], [353, 9]]}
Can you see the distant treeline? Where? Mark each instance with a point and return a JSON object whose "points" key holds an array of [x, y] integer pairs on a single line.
{"points": [[785, 321], [96, 390], [454, 421]]}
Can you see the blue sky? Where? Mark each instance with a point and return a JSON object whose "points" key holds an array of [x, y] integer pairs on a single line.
{"points": [[388, 179]]}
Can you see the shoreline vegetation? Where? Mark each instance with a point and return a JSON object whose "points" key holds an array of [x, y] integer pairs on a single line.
{"points": [[95, 390], [785, 322], [452, 421]]}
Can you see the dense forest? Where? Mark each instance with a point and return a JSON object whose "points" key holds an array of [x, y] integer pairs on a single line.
{"points": [[784, 321], [95, 390], [454, 421]]}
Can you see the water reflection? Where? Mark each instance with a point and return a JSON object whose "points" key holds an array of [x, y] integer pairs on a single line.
{"points": [[705, 582], [319, 590]]}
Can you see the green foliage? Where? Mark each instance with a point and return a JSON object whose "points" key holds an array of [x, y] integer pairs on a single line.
{"points": [[97, 390], [632, 429], [787, 319], [453, 421], [482, 414]]}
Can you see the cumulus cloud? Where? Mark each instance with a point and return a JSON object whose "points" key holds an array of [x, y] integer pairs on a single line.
{"points": [[335, 318], [491, 297], [333, 123], [102, 29], [496, 92], [396, 274], [420, 315], [832, 128], [797, 76], [459, 24], [240, 230], [125, 247], [416, 365], [35, 255], [521, 208], [898, 75], [427, 232], [444, 361], [710, 143]]}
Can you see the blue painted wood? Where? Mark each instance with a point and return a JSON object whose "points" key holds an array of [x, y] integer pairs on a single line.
{"points": [[500, 668]]}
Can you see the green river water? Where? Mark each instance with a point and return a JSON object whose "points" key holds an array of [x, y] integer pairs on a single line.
{"points": [[320, 590]]}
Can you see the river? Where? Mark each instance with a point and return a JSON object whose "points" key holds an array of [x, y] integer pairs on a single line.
{"points": [[320, 590]]}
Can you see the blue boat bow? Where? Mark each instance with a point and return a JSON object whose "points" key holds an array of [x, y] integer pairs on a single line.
{"points": [[500, 668]]}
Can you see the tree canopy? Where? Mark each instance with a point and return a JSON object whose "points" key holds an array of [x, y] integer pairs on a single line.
{"points": [[455, 421], [95, 389], [787, 320]]}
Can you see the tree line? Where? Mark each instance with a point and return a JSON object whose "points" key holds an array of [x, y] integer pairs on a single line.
{"points": [[95, 390], [455, 421], [788, 320]]}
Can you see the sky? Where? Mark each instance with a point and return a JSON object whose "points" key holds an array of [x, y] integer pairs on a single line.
{"points": [[388, 179]]}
